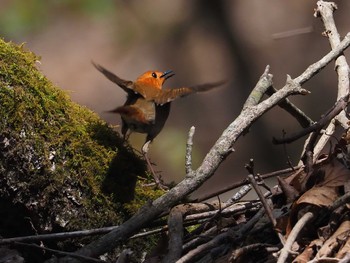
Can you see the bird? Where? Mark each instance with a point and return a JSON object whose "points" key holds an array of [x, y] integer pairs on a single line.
{"points": [[147, 105]]}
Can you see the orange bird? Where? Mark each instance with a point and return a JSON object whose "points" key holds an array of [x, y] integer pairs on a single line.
{"points": [[147, 105]]}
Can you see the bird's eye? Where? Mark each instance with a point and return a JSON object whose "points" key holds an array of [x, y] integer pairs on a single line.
{"points": [[154, 75]]}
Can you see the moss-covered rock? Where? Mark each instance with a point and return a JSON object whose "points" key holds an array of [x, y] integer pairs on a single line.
{"points": [[61, 166]]}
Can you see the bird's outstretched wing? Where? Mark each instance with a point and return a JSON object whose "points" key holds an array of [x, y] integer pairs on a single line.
{"points": [[126, 85], [168, 95]]}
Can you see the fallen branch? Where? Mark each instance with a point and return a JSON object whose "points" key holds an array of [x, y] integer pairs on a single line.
{"points": [[306, 218]]}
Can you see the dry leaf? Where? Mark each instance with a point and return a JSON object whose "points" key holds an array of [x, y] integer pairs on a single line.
{"points": [[335, 174], [319, 196]]}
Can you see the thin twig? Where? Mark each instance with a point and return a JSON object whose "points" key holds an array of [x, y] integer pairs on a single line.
{"points": [[262, 199], [336, 109], [292, 109]]}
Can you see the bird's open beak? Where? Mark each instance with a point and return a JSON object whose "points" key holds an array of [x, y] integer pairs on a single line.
{"points": [[167, 74]]}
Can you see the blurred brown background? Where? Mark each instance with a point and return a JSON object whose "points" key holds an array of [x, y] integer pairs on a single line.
{"points": [[201, 41]]}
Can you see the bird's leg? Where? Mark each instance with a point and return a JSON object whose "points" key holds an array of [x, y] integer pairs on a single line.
{"points": [[158, 182]]}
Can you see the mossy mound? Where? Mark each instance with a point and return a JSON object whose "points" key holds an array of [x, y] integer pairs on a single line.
{"points": [[55, 156]]}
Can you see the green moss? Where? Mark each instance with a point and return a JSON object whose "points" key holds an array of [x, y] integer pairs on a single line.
{"points": [[55, 154], [61, 167], [143, 194]]}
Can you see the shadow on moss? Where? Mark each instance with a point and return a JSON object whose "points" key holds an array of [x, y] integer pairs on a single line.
{"points": [[122, 175]]}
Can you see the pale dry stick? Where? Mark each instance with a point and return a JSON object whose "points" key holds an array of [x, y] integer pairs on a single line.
{"points": [[243, 191], [306, 218], [216, 155], [230, 209], [188, 156], [325, 10]]}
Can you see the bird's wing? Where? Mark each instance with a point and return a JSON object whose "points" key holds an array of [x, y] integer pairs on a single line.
{"points": [[168, 95], [126, 85]]}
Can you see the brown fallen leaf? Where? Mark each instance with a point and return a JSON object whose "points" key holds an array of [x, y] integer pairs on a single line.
{"points": [[319, 196], [335, 174]]}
